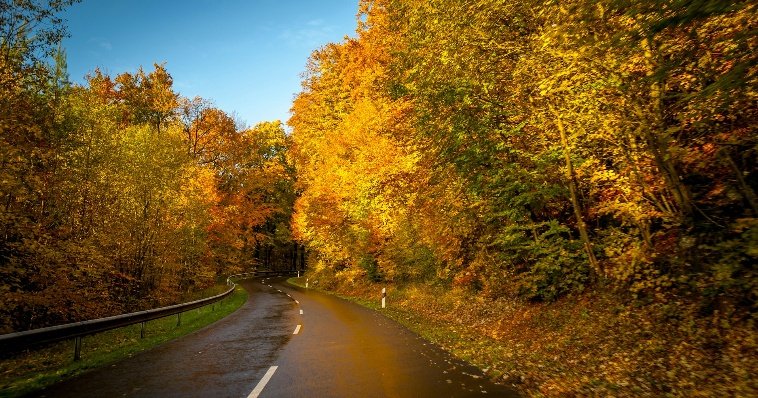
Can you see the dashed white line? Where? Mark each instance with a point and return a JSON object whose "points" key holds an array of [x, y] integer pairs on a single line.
{"points": [[259, 388], [278, 290], [301, 312], [297, 329], [297, 301]]}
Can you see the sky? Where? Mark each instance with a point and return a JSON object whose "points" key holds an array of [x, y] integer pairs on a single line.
{"points": [[244, 55]]}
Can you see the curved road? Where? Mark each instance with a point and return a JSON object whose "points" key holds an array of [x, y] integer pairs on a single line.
{"points": [[288, 342]]}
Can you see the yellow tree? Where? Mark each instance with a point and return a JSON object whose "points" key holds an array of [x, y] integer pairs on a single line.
{"points": [[352, 170]]}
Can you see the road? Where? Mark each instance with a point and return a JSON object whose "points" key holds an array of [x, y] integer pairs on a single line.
{"points": [[288, 342]]}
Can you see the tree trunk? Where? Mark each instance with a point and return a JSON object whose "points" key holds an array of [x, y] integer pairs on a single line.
{"points": [[294, 256], [747, 192], [658, 139], [571, 176]]}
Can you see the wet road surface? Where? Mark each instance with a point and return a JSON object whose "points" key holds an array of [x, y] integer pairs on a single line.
{"points": [[289, 342]]}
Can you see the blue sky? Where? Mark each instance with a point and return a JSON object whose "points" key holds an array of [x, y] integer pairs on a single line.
{"points": [[245, 55]]}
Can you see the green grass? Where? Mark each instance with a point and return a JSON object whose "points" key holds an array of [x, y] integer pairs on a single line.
{"points": [[297, 281], [36, 369]]}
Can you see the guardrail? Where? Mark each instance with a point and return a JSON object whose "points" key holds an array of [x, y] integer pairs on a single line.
{"points": [[19, 341]]}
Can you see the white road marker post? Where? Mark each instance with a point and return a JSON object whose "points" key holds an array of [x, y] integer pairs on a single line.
{"points": [[384, 297], [306, 282], [298, 273]]}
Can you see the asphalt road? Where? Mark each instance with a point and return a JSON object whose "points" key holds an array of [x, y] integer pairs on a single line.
{"points": [[289, 342]]}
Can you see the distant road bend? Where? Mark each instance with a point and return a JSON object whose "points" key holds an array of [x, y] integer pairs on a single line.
{"points": [[289, 342]]}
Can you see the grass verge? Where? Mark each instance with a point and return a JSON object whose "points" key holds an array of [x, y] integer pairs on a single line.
{"points": [[33, 370]]}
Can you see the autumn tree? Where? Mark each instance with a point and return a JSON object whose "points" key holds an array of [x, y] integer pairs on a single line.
{"points": [[549, 146], [113, 191]]}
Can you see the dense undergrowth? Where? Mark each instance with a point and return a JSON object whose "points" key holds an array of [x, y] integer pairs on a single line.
{"points": [[590, 344]]}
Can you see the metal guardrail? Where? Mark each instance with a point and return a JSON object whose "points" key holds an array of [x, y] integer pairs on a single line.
{"points": [[18, 341]]}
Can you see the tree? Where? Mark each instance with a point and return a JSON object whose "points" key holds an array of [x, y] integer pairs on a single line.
{"points": [[148, 98], [549, 145]]}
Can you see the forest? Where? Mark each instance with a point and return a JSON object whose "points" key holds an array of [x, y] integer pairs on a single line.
{"points": [[583, 173], [121, 195], [535, 148], [531, 158]]}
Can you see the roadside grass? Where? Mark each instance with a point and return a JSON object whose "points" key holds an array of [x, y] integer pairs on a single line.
{"points": [[32, 370]]}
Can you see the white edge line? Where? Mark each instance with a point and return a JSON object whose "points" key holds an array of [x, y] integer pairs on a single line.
{"points": [[297, 329], [261, 384]]}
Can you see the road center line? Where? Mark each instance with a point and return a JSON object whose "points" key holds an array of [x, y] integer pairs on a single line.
{"points": [[301, 312], [297, 329], [297, 301], [259, 388]]}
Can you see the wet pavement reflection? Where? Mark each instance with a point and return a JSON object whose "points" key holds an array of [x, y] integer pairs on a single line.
{"points": [[320, 346]]}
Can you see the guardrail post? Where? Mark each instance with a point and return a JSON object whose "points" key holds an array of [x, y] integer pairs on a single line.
{"points": [[18, 341], [77, 348]]}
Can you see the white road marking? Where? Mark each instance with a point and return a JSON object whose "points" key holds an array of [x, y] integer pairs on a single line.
{"points": [[259, 388], [297, 329], [297, 301], [278, 290], [269, 285]]}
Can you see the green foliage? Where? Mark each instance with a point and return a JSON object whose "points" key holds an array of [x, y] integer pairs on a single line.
{"points": [[732, 269], [370, 265], [31, 30]]}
